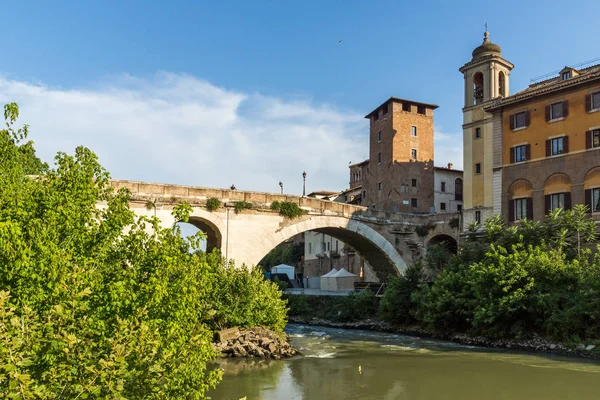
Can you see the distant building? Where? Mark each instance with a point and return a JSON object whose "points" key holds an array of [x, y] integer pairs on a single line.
{"points": [[448, 189]]}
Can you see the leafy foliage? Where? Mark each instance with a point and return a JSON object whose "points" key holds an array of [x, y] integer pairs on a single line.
{"points": [[240, 206], [99, 303], [213, 204], [288, 209], [397, 304], [423, 230], [454, 223], [289, 253]]}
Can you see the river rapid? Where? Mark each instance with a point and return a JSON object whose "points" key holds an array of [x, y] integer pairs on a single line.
{"points": [[354, 364]]}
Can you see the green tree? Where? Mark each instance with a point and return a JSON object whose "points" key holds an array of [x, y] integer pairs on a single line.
{"points": [[397, 304]]}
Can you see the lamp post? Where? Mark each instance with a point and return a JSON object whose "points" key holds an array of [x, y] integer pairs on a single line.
{"points": [[281, 186], [303, 183]]}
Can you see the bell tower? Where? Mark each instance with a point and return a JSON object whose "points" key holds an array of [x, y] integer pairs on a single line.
{"points": [[486, 79]]}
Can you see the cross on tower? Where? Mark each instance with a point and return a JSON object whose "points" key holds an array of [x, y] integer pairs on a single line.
{"points": [[486, 26]]}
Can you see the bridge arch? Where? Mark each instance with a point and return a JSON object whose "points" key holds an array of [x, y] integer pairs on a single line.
{"points": [[212, 225], [381, 255], [447, 241]]}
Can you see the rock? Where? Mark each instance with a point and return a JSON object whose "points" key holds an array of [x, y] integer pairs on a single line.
{"points": [[225, 335], [552, 346], [590, 347], [581, 347]]}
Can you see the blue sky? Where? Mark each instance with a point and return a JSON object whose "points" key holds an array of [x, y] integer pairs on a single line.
{"points": [[214, 93]]}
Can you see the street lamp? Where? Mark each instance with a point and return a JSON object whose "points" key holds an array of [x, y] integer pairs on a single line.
{"points": [[281, 186], [303, 183]]}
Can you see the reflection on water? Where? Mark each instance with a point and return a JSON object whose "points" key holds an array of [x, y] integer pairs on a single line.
{"points": [[402, 367]]}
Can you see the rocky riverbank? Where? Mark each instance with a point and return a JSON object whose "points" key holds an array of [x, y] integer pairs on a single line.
{"points": [[537, 344], [257, 342]]}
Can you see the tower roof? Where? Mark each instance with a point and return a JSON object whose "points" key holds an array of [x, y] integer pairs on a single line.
{"points": [[487, 47]]}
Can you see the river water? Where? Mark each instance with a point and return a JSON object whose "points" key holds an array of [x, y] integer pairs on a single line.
{"points": [[354, 364]]}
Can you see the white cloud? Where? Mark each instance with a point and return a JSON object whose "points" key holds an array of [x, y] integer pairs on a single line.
{"points": [[175, 128]]}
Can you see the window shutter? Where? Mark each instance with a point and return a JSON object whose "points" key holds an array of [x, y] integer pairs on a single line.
{"points": [[547, 113], [588, 200], [588, 102], [530, 208], [548, 148], [567, 200], [547, 202], [565, 105], [565, 144], [512, 155], [511, 210], [588, 140], [512, 120], [527, 118]]}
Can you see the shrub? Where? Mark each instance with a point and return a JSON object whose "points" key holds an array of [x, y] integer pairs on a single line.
{"points": [[423, 230], [355, 307], [397, 304], [288, 209], [213, 204], [454, 223], [239, 206]]}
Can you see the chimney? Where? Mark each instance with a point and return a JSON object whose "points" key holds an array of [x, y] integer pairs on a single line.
{"points": [[449, 165]]}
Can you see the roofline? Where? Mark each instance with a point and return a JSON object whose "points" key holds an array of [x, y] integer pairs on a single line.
{"points": [[560, 85], [359, 163], [399, 100], [323, 193], [448, 169]]}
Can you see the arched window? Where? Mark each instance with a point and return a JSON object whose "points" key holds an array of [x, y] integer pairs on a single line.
{"points": [[478, 88], [501, 84]]}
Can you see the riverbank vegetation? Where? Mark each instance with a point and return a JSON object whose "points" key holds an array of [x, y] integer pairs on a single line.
{"points": [[533, 279], [96, 302]]}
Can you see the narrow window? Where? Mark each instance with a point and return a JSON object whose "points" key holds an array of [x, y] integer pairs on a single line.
{"points": [[414, 183], [376, 115], [380, 136], [406, 107], [521, 153], [556, 111], [310, 248], [443, 186], [557, 146], [595, 100], [478, 88], [379, 158], [478, 168], [458, 191], [413, 154], [557, 200], [413, 131], [379, 186], [596, 138], [328, 246], [421, 110], [477, 133], [520, 209], [443, 206], [478, 217], [413, 202], [459, 207], [385, 109], [596, 200], [566, 75]]}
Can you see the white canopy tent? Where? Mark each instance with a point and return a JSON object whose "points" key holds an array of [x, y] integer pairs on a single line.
{"points": [[325, 279], [284, 269], [342, 281]]}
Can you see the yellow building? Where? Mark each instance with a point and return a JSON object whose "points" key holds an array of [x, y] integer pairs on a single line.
{"points": [[549, 145], [486, 79]]}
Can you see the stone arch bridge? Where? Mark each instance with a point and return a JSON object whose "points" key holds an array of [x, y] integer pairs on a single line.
{"points": [[388, 242]]}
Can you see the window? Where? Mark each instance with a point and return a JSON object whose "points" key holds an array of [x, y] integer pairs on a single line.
{"points": [[458, 189], [477, 133], [595, 206], [519, 120], [364, 194], [403, 188], [413, 202], [557, 200], [310, 248], [379, 186], [421, 110], [521, 153], [413, 154], [323, 247], [406, 107], [566, 75], [593, 139], [414, 183], [520, 209], [443, 206], [328, 246], [478, 168], [376, 115], [385, 109], [380, 136], [413, 131], [443, 186], [595, 100], [379, 158], [556, 111], [459, 207], [557, 146], [478, 217]]}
